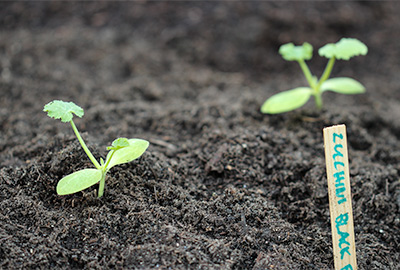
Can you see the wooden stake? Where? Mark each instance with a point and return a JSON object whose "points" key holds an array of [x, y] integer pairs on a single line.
{"points": [[337, 169]]}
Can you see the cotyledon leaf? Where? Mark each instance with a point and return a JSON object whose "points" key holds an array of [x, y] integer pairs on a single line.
{"points": [[287, 101], [343, 85], [126, 154], [78, 181]]}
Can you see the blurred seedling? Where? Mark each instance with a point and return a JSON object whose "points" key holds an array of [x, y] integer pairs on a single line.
{"points": [[122, 150], [292, 99]]}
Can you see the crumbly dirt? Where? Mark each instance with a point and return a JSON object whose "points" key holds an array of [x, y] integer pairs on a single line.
{"points": [[221, 186]]}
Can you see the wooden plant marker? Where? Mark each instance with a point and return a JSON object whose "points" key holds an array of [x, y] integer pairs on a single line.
{"points": [[337, 169]]}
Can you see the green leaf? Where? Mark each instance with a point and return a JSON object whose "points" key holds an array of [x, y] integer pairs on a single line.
{"points": [[124, 155], [78, 181], [343, 49], [343, 85], [290, 52], [59, 109], [287, 101], [118, 144]]}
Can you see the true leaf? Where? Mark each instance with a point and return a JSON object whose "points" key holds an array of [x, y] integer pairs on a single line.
{"points": [[343, 85], [287, 100], [343, 49], [59, 109], [295, 53], [135, 149], [78, 181], [118, 144]]}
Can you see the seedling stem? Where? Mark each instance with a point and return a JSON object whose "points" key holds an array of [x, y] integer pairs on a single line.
{"points": [[85, 148]]}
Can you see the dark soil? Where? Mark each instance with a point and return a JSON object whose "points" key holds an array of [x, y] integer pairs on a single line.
{"points": [[221, 186]]}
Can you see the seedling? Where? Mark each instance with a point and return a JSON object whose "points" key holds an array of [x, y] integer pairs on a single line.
{"points": [[297, 97], [122, 150]]}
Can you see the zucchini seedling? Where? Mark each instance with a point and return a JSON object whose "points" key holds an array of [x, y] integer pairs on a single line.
{"points": [[297, 97], [122, 150]]}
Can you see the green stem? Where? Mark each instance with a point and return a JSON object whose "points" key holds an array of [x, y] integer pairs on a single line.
{"points": [[101, 185], [85, 148], [109, 159], [327, 72], [315, 87], [324, 77], [307, 73], [318, 100]]}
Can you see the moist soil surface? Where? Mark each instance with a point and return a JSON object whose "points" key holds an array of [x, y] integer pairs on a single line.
{"points": [[221, 186]]}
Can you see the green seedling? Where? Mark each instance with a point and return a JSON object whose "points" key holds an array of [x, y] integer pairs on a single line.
{"points": [[122, 150], [297, 97]]}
